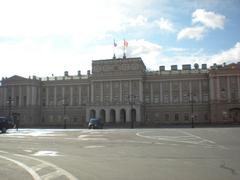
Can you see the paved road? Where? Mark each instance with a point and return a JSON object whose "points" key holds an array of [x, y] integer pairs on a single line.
{"points": [[167, 154]]}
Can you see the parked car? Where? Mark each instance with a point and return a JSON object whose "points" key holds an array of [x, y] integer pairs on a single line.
{"points": [[6, 123], [95, 123]]}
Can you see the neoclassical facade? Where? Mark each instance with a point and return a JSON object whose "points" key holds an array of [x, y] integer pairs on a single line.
{"points": [[123, 92]]}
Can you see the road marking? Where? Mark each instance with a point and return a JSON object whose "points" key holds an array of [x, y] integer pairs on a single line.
{"points": [[58, 169], [28, 169], [5, 152], [52, 175], [87, 137], [188, 138], [38, 167], [46, 153], [89, 147]]}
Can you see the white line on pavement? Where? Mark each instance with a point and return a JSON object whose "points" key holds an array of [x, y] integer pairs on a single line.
{"points": [[28, 169], [60, 170]]}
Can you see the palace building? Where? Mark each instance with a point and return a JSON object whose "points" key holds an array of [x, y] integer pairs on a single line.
{"points": [[122, 92]]}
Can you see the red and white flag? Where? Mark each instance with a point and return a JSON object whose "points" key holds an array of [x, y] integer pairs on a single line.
{"points": [[114, 43], [125, 43]]}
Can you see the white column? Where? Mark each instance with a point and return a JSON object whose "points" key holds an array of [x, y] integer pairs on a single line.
{"points": [[80, 95], [20, 96], [190, 91], [92, 93], [88, 94], [46, 96], [101, 93], [111, 91], [161, 92], [151, 92], [228, 89], [180, 91], [141, 90], [218, 88], [87, 115], [120, 84], [170, 89], [211, 87], [200, 91], [107, 115], [128, 114], [12, 93], [63, 93], [55, 96], [33, 95], [97, 113], [1, 95], [117, 111], [28, 95], [130, 90], [238, 87], [71, 95], [5, 99], [138, 114]]}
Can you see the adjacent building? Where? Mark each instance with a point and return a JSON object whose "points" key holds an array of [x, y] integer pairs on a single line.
{"points": [[123, 92]]}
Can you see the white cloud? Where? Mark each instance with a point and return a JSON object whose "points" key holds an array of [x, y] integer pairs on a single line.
{"points": [[29, 29], [208, 19], [165, 24], [228, 56], [138, 21], [191, 33]]}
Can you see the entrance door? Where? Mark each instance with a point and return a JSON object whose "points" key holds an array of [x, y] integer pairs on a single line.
{"points": [[123, 116], [235, 114], [103, 115]]}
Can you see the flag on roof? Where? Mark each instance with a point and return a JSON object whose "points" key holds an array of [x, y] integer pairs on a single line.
{"points": [[114, 43], [125, 43]]}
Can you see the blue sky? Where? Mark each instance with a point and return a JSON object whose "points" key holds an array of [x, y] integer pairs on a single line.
{"points": [[52, 36]]}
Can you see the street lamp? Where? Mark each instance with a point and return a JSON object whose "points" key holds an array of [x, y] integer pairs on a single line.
{"points": [[192, 115], [132, 102], [64, 114], [9, 102]]}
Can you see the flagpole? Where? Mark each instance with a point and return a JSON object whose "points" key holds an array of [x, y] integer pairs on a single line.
{"points": [[114, 48], [124, 49]]}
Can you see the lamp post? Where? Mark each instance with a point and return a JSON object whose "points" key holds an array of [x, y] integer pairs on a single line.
{"points": [[132, 102], [192, 115], [64, 114], [9, 102]]}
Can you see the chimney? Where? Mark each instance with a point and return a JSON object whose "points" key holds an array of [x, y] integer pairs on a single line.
{"points": [[161, 68], [65, 73]]}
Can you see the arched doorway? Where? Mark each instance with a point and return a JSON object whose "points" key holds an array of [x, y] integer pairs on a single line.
{"points": [[92, 113], [235, 114], [103, 115], [123, 116], [112, 116], [133, 117]]}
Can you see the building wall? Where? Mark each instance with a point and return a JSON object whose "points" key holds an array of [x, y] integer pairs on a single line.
{"points": [[121, 91]]}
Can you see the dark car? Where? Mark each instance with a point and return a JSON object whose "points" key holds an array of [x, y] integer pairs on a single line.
{"points": [[6, 123], [95, 123]]}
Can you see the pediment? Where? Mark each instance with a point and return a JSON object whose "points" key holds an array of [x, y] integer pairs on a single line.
{"points": [[14, 78]]}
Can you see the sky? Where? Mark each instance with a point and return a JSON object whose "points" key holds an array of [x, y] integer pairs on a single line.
{"points": [[47, 37]]}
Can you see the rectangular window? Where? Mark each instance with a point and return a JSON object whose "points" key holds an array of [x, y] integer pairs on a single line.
{"points": [[24, 100], [186, 117], [167, 117], [17, 100], [176, 117]]}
